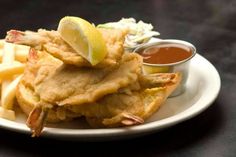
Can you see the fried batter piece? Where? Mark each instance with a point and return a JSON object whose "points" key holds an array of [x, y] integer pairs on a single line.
{"points": [[52, 42], [58, 84], [122, 109], [70, 85], [50, 90]]}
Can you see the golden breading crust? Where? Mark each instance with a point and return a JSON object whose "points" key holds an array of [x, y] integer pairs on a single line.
{"points": [[52, 42]]}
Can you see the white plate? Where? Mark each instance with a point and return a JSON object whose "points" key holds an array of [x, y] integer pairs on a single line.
{"points": [[203, 86]]}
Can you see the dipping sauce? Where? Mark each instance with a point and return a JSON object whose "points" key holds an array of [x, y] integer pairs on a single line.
{"points": [[168, 56], [165, 54]]}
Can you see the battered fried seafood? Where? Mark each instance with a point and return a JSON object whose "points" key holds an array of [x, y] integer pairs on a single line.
{"points": [[52, 42], [112, 96]]}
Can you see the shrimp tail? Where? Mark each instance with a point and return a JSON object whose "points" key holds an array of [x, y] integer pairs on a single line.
{"points": [[14, 36], [29, 38], [36, 120]]}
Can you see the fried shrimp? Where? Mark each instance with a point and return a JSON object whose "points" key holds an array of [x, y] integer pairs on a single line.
{"points": [[59, 85]]}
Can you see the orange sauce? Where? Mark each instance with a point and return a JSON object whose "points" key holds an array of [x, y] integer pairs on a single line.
{"points": [[165, 54]]}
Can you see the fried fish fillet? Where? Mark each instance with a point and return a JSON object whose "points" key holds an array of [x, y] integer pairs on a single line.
{"points": [[52, 42], [61, 84], [107, 98], [58, 84], [124, 109]]}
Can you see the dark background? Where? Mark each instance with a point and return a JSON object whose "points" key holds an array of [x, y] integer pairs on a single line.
{"points": [[209, 24]]}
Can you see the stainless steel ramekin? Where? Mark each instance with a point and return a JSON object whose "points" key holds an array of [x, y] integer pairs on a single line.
{"points": [[181, 66]]}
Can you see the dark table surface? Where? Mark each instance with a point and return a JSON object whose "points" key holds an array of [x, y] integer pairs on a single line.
{"points": [[209, 24]]}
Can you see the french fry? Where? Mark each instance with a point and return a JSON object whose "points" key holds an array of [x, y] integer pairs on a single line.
{"points": [[8, 58], [2, 43], [21, 51], [1, 48], [8, 53], [7, 114], [1, 53], [8, 71], [8, 99], [9, 94]]}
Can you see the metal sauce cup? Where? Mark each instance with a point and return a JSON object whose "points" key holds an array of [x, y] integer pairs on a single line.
{"points": [[180, 66]]}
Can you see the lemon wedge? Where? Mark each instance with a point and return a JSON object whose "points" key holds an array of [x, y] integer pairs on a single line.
{"points": [[84, 38]]}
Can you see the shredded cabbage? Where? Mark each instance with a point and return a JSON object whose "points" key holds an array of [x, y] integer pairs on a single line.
{"points": [[138, 33]]}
